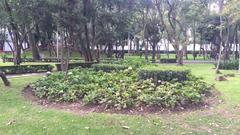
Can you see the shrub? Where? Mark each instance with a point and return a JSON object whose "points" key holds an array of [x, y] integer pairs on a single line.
{"points": [[28, 60], [75, 65], [5, 59], [135, 63], [164, 73], [168, 60], [25, 59], [118, 89], [108, 60], [21, 69], [229, 65], [50, 60], [109, 67]]}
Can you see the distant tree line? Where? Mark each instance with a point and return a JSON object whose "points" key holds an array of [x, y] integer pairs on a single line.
{"points": [[95, 27]]}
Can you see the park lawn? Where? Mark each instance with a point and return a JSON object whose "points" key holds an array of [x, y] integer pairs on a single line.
{"points": [[19, 116], [171, 56]]}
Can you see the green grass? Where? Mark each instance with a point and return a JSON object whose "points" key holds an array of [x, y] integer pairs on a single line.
{"points": [[76, 55], [171, 56], [30, 119]]}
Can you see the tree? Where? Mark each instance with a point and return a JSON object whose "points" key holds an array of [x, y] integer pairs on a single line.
{"points": [[232, 10], [221, 36], [195, 12]]}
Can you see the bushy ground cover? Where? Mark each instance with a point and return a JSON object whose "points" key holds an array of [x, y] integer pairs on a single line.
{"points": [[116, 86], [229, 65]]}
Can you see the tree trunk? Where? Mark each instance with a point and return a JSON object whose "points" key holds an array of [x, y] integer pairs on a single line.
{"points": [[185, 52], [227, 49], [62, 52], [153, 53], [194, 42], [33, 46], [110, 50], [131, 48], [17, 60], [86, 8], [159, 52], [67, 61], [4, 78], [137, 46], [146, 50], [221, 37], [168, 46], [180, 57]]}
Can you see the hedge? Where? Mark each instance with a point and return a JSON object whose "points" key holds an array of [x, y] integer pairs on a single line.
{"points": [[164, 73], [229, 65], [75, 65], [109, 67], [168, 60], [40, 60], [22, 69]]}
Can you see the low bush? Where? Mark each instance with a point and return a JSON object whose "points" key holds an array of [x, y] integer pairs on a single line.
{"points": [[5, 59], [75, 65], [229, 65], [21, 69], [32, 60], [109, 67], [168, 60], [164, 73], [50, 60], [135, 63], [119, 89]]}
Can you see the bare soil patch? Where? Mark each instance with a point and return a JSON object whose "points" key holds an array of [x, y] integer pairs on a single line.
{"points": [[81, 109]]}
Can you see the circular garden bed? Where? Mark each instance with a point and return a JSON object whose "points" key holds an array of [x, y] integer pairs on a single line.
{"points": [[107, 87]]}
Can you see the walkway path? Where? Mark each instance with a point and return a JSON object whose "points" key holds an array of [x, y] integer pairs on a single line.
{"points": [[25, 75], [198, 62]]}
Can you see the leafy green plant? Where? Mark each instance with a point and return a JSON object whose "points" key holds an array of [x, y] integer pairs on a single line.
{"points": [[162, 73], [168, 60], [21, 69], [135, 63], [3, 56], [119, 89], [109, 67], [229, 65], [75, 65]]}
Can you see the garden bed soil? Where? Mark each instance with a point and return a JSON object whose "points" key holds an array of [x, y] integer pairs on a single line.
{"points": [[80, 109]]}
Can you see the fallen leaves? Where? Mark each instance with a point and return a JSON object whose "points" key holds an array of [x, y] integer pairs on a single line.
{"points": [[11, 122], [125, 127]]}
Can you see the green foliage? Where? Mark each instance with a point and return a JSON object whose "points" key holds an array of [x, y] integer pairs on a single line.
{"points": [[229, 65], [22, 69], [118, 89], [133, 62], [164, 73], [173, 94], [109, 67], [3, 56], [75, 65], [27, 59], [168, 60]]}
